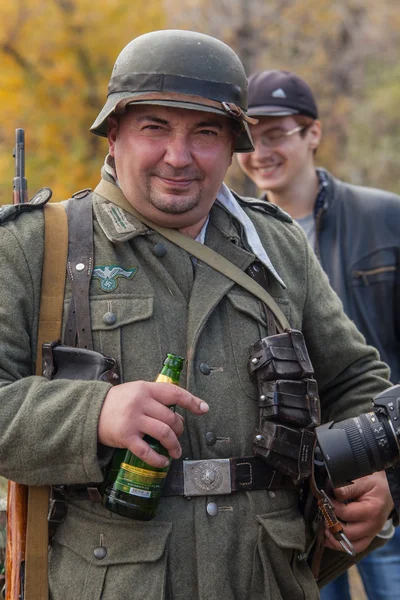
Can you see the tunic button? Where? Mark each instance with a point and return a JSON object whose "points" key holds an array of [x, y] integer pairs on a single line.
{"points": [[205, 369], [211, 438], [160, 250], [301, 556], [212, 509], [100, 552], [109, 318]]}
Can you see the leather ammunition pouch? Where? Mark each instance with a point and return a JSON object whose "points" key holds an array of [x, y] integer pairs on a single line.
{"points": [[288, 403], [66, 362]]}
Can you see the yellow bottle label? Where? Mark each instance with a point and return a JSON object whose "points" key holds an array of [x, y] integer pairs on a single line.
{"points": [[165, 379], [139, 482], [143, 472]]}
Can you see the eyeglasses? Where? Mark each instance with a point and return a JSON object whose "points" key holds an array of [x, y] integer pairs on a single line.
{"points": [[275, 138]]}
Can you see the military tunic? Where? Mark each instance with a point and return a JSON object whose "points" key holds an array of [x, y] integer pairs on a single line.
{"points": [[242, 546]]}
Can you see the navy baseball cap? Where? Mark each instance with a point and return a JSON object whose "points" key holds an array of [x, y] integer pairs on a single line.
{"points": [[280, 93]]}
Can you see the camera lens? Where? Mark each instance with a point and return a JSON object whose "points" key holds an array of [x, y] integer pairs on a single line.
{"points": [[357, 447]]}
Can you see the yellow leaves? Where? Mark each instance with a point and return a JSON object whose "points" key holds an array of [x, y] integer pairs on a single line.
{"points": [[56, 59]]}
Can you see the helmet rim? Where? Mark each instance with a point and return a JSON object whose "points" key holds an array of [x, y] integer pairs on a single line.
{"points": [[118, 100]]}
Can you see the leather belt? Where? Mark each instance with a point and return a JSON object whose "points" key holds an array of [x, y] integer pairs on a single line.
{"points": [[222, 476], [207, 477]]}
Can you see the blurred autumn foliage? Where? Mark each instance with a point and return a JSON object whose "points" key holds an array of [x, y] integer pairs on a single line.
{"points": [[348, 52], [56, 58], [57, 55]]}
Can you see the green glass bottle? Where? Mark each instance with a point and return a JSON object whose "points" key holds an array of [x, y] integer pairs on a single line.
{"points": [[132, 487]]}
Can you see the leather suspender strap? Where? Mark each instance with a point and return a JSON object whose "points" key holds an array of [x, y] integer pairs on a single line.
{"points": [[258, 272], [78, 329], [50, 320], [207, 255]]}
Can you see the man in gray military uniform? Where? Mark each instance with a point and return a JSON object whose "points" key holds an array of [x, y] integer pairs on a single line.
{"points": [[175, 113]]}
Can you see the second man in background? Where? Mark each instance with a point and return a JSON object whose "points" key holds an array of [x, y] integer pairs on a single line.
{"points": [[355, 234]]}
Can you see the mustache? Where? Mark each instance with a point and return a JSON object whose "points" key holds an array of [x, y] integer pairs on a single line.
{"points": [[171, 173]]}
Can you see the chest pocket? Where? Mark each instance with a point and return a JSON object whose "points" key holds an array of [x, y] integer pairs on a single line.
{"points": [[377, 269], [374, 289], [124, 327], [247, 324]]}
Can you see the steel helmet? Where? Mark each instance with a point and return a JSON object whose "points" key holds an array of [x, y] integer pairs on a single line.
{"points": [[181, 69]]}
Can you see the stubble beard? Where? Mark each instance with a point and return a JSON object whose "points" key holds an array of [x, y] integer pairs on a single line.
{"points": [[173, 203]]}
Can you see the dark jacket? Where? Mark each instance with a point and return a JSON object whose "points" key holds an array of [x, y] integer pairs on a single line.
{"points": [[358, 243]]}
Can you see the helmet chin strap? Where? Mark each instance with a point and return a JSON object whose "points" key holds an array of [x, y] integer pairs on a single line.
{"points": [[235, 111], [231, 109]]}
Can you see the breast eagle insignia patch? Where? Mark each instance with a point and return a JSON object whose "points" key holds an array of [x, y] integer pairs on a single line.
{"points": [[108, 276]]}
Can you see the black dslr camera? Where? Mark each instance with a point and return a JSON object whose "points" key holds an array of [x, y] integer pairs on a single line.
{"points": [[361, 445]]}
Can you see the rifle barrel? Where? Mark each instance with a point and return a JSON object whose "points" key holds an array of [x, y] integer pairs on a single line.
{"points": [[20, 186], [17, 495]]}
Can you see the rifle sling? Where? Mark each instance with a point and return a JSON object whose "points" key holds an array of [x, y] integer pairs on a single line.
{"points": [[50, 320], [115, 195]]}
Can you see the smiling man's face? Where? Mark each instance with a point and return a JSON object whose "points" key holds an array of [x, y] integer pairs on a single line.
{"points": [[171, 162], [276, 166]]}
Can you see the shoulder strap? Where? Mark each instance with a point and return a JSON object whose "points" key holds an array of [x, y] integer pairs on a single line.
{"points": [[50, 320], [53, 277], [216, 261], [78, 329]]}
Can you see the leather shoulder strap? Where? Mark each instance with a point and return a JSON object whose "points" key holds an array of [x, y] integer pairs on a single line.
{"points": [[53, 277], [216, 261], [50, 320], [78, 329]]}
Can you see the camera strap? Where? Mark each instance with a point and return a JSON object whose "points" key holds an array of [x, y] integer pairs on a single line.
{"points": [[327, 511]]}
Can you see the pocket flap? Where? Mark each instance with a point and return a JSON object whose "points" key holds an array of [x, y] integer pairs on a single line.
{"points": [[281, 353], [286, 528], [125, 540], [124, 310]]}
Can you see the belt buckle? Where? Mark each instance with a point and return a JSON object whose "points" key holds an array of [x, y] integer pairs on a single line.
{"points": [[203, 477]]}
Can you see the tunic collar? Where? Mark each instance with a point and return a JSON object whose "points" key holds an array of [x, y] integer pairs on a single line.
{"points": [[120, 226]]}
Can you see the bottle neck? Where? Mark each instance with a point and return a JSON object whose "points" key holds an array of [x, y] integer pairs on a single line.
{"points": [[168, 376], [171, 371]]}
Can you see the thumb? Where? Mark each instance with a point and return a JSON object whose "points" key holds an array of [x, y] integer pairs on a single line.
{"points": [[346, 492]]}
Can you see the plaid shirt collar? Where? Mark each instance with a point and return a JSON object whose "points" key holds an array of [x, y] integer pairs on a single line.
{"points": [[320, 200]]}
